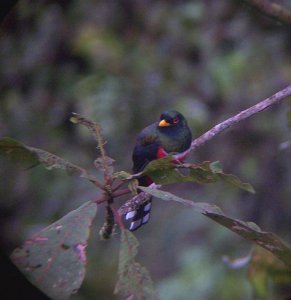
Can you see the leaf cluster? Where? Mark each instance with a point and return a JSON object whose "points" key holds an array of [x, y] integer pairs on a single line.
{"points": [[54, 259]]}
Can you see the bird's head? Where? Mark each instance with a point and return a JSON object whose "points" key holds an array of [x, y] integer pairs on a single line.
{"points": [[171, 118]]}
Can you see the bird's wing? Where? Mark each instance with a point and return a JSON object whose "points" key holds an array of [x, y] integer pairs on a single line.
{"points": [[146, 148]]}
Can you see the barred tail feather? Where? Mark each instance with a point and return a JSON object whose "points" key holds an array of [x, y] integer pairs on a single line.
{"points": [[140, 216]]}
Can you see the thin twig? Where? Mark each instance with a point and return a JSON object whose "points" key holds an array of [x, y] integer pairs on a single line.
{"points": [[274, 99], [273, 10], [103, 198], [98, 183], [117, 217], [104, 161]]}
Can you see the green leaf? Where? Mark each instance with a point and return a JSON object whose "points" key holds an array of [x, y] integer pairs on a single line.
{"points": [[159, 164], [215, 167], [164, 171], [213, 171], [133, 279], [265, 270], [16, 151], [31, 156], [235, 181], [247, 230], [201, 207], [121, 175], [54, 259], [51, 161]]}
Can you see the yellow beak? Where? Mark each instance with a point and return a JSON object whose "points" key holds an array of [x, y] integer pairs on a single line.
{"points": [[164, 123]]}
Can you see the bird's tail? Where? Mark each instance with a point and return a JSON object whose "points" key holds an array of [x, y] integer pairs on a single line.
{"points": [[140, 215]]}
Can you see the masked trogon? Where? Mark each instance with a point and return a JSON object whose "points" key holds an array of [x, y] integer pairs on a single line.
{"points": [[170, 134]]}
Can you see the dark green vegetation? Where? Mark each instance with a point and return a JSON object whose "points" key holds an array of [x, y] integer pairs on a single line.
{"points": [[121, 63]]}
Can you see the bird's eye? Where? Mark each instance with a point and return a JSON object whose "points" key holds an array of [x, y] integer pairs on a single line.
{"points": [[176, 120]]}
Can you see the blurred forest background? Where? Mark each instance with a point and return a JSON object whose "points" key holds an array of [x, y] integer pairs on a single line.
{"points": [[122, 63]]}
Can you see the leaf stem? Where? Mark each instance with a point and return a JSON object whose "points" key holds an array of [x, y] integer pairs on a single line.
{"points": [[115, 188], [121, 192], [117, 217]]}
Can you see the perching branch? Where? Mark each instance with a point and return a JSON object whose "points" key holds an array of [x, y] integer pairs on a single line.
{"points": [[276, 98], [259, 107], [273, 10]]}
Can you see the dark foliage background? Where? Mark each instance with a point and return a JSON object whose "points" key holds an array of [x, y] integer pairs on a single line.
{"points": [[122, 63]]}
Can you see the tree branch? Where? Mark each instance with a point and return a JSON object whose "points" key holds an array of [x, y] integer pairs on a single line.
{"points": [[276, 98], [210, 134], [272, 10]]}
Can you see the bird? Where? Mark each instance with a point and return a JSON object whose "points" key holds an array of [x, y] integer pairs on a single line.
{"points": [[169, 135]]}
